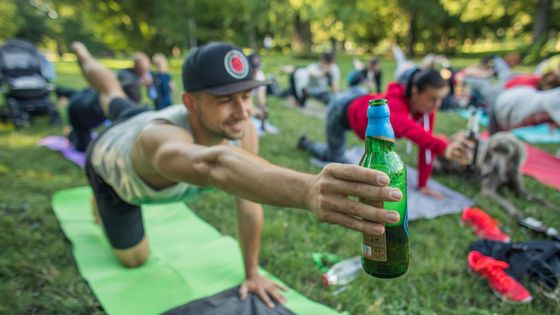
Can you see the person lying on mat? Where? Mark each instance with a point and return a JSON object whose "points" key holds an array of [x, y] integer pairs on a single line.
{"points": [[413, 110], [155, 157], [525, 106]]}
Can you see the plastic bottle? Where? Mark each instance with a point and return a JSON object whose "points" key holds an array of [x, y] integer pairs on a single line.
{"points": [[342, 272]]}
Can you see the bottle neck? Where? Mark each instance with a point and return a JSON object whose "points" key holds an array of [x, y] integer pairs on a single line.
{"points": [[376, 144], [379, 125]]}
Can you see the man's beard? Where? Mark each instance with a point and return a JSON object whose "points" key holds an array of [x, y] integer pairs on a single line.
{"points": [[223, 134]]}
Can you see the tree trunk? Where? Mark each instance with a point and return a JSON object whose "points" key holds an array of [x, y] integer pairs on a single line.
{"points": [[411, 34], [333, 46], [301, 40], [192, 33], [542, 17], [253, 37]]}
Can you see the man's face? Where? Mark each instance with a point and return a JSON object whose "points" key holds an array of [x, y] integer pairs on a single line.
{"points": [[428, 100], [225, 116], [141, 65]]}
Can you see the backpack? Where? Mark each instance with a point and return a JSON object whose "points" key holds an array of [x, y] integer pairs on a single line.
{"points": [[539, 260]]}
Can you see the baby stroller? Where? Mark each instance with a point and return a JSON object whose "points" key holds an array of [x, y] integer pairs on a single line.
{"points": [[24, 83]]}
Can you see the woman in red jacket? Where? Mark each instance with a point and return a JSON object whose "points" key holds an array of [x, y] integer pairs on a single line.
{"points": [[413, 109]]}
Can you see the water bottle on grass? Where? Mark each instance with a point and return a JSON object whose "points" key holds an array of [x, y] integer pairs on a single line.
{"points": [[343, 272]]}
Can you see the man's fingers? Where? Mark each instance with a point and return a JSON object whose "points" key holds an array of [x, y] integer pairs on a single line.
{"points": [[264, 296], [362, 190], [276, 295], [281, 287], [353, 223], [357, 173], [243, 291], [362, 210]]}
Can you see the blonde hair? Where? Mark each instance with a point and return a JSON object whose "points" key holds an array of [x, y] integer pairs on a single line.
{"points": [[160, 61]]}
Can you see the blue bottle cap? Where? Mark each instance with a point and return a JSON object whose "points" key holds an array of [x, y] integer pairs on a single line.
{"points": [[379, 125]]}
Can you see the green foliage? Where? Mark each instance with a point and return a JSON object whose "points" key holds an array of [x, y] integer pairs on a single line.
{"points": [[113, 26]]}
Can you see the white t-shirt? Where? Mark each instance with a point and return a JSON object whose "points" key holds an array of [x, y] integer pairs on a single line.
{"points": [[515, 105]]}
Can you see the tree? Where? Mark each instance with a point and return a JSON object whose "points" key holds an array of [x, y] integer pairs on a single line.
{"points": [[542, 16]]}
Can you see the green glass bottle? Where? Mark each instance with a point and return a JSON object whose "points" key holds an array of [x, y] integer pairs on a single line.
{"points": [[385, 256]]}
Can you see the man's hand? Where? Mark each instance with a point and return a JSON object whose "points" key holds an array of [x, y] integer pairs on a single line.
{"points": [[459, 151], [330, 189], [431, 193], [264, 288]]}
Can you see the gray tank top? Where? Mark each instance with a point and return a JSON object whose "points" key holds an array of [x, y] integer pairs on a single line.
{"points": [[111, 159]]}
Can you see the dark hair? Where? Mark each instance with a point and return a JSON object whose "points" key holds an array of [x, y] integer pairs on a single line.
{"points": [[485, 60], [422, 79], [373, 61], [327, 57], [255, 60]]}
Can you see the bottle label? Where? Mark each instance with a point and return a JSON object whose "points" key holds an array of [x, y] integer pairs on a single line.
{"points": [[374, 247]]}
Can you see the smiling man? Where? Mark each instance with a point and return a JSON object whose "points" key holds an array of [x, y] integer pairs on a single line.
{"points": [[155, 157]]}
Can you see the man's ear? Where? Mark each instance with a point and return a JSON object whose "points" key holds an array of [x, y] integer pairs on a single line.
{"points": [[189, 101]]}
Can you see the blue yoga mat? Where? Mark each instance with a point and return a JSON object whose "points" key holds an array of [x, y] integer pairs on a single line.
{"points": [[532, 134]]}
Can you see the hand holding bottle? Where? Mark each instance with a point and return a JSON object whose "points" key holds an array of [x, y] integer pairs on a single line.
{"points": [[328, 198], [459, 151]]}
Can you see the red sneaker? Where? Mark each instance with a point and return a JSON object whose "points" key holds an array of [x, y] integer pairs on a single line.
{"points": [[502, 284], [484, 226]]}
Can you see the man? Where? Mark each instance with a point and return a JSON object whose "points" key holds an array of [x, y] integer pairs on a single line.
{"points": [[413, 107], [151, 157], [369, 77], [318, 80], [133, 79]]}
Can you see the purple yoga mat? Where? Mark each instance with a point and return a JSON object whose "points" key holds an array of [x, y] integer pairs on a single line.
{"points": [[62, 145]]}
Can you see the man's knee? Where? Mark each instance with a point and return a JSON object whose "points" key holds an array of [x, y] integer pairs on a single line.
{"points": [[134, 256]]}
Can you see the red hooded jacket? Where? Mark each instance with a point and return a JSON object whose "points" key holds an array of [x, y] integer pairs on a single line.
{"points": [[405, 124]]}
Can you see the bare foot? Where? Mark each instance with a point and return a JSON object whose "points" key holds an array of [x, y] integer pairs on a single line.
{"points": [[80, 50], [432, 193]]}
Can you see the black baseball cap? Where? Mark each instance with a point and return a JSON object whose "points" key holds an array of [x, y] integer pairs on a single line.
{"points": [[218, 69]]}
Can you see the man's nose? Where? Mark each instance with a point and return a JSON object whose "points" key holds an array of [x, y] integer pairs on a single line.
{"points": [[242, 107]]}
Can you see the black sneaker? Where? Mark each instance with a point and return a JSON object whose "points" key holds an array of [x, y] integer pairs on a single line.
{"points": [[302, 143]]}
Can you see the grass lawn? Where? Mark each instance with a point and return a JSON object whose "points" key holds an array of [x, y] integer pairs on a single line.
{"points": [[38, 274]]}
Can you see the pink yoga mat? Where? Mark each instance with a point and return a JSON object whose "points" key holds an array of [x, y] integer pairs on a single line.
{"points": [[62, 145], [540, 165]]}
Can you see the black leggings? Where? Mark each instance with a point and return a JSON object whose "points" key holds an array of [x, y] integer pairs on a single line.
{"points": [[121, 220]]}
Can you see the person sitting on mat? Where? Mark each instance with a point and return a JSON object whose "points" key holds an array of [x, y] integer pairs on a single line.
{"points": [[413, 109], [209, 140], [368, 77], [318, 80]]}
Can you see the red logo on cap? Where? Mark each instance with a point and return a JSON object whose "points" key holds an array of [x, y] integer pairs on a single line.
{"points": [[236, 64]]}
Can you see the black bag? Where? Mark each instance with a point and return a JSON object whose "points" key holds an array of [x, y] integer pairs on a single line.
{"points": [[229, 303], [538, 260]]}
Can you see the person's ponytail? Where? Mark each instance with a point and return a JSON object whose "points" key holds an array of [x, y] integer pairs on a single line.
{"points": [[422, 79]]}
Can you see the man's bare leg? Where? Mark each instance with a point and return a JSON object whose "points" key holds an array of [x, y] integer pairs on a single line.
{"points": [[135, 255], [98, 76]]}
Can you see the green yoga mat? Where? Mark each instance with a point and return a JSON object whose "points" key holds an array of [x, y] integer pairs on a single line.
{"points": [[189, 259]]}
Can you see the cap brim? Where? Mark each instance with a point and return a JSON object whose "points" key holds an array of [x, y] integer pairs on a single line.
{"points": [[235, 87]]}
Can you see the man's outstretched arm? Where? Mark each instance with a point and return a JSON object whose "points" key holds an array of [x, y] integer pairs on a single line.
{"points": [[173, 155]]}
